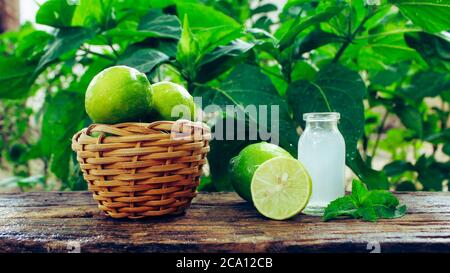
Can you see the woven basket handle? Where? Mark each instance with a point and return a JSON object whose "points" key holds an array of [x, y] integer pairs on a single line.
{"points": [[103, 128]]}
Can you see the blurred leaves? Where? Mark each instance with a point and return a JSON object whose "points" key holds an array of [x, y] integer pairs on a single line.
{"points": [[427, 84], [144, 60], [410, 117], [188, 50], [32, 46], [397, 167], [335, 89], [56, 13], [435, 50], [222, 59], [154, 24], [61, 120], [15, 79], [202, 16], [431, 15], [246, 88], [301, 24], [66, 39]]}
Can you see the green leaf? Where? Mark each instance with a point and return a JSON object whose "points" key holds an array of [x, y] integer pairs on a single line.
{"points": [[188, 50], [76, 181], [406, 186], [263, 22], [303, 71], [15, 77], [441, 137], [431, 173], [210, 38], [397, 167], [201, 16], [168, 47], [32, 46], [222, 151], [56, 13], [299, 25], [66, 39], [23, 182], [16, 152], [340, 207], [380, 51], [211, 27], [446, 148], [94, 13], [384, 204], [264, 9], [246, 87], [434, 50], [162, 25], [222, 59], [399, 212], [391, 49], [316, 39], [431, 15], [427, 84], [367, 213], [359, 191], [335, 89], [31, 181], [390, 75], [144, 60], [380, 198], [62, 118], [154, 24], [283, 29], [410, 118], [368, 205], [276, 76], [372, 178], [193, 47]]}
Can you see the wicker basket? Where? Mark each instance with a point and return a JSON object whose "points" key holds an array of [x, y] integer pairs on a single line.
{"points": [[137, 170]]}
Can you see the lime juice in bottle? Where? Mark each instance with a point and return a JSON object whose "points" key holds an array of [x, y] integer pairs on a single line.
{"points": [[321, 149]]}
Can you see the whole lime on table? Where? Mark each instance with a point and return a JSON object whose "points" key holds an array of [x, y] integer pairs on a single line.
{"points": [[119, 94], [170, 97], [244, 165]]}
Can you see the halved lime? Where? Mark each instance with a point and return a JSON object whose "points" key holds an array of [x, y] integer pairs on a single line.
{"points": [[281, 188], [244, 165]]}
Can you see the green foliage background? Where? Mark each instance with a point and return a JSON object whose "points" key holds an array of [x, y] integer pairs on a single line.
{"points": [[360, 58]]}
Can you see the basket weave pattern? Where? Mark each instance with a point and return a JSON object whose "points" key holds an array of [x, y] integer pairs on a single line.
{"points": [[136, 170]]}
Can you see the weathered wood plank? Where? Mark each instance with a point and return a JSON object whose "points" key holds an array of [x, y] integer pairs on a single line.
{"points": [[219, 222]]}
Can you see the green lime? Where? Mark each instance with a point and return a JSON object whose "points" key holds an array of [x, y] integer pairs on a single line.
{"points": [[118, 94], [245, 164], [281, 188], [170, 97]]}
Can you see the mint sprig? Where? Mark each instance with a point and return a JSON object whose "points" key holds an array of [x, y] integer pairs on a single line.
{"points": [[365, 204]]}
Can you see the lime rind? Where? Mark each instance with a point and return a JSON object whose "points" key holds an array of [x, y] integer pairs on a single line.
{"points": [[281, 188]]}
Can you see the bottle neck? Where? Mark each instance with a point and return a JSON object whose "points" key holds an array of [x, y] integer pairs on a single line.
{"points": [[321, 125]]}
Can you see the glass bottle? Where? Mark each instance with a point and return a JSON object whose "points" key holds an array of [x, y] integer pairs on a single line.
{"points": [[321, 149]]}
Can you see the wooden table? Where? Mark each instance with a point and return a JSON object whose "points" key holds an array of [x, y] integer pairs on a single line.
{"points": [[216, 222]]}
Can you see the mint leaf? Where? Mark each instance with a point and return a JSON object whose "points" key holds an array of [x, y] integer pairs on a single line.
{"points": [[381, 198], [399, 212], [367, 213], [365, 204], [359, 191], [344, 206]]}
